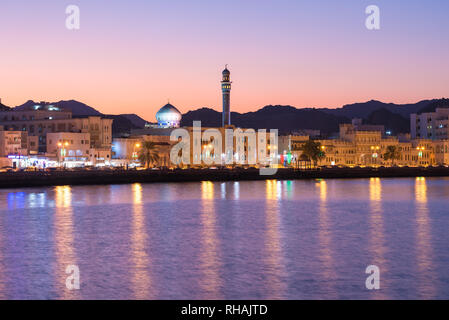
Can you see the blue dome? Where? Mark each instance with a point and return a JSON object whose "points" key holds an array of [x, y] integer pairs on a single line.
{"points": [[226, 72], [168, 116]]}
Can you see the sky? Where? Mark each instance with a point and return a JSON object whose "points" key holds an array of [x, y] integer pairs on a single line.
{"points": [[133, 56]]}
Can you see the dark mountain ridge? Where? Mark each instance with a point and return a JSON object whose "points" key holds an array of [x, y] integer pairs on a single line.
{"points": [[395, 117]]}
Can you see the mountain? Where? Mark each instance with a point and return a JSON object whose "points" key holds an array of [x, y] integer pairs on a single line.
{"points": [[77, 108], [395, 117], [135, 120], [284, 118], [4, 107], [441, 103], [392, 121], [364, 109], [121, 125]]}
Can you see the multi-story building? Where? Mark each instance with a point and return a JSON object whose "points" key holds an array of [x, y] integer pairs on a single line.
{"points": [[441, 149], [238, 146], [366, 145], [70, 149], [430, 125], [15, 147], [39, 120], [125, 151]]}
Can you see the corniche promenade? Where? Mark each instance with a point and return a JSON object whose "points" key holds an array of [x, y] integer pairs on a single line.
{"points": [[92, 177]]}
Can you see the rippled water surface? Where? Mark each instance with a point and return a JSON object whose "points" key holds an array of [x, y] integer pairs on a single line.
{"points": [[231, 240]]}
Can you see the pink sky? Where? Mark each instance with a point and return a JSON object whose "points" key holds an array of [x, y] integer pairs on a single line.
{"points": [[132, 58]]}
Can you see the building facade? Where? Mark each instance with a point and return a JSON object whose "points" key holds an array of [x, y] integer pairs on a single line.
{"points": [[431, 125], [42, 119]]}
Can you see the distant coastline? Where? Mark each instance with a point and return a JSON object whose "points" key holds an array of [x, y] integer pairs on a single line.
{"points": [[101, 177]]}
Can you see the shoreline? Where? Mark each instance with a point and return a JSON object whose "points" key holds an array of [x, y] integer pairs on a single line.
{"points": [[102, 177]]}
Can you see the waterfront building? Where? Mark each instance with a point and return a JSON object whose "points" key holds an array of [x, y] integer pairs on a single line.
{"points": [[71, 149], [366, 145], [441, 148], [15, 147], [430, 125], [125, 151], [46, 118], [242, 151]]}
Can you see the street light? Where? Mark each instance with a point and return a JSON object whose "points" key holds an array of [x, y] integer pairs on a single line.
{"points": [[137, 145], [63, 150], [375, 155]]}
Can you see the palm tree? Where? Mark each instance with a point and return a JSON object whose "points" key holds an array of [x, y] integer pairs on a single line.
{"points": [[392, 154], [313, 151], [148, 153]]}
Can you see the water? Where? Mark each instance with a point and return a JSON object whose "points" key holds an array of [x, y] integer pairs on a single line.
{"points": [[231, 240]]}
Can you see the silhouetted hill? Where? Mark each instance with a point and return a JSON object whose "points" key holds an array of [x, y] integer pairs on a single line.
{"points": [[441, 103], [284, 118], [25, 106], [395, 117], [364, 109], [121, 125], [392, 121], [135, 119], [207, 116], [4, 107], [77, 108]]}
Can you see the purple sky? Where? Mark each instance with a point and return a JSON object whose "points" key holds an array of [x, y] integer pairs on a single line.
{"points": [[131, 56]]}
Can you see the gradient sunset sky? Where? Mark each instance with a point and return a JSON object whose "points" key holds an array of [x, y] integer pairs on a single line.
{"points": [[131, 56]]}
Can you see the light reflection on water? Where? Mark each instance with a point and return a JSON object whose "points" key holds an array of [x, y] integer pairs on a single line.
{"points": [[210, 263], [275, 270], [424, 241], [377, 231], [227, 240], [325, 241], [64, 240], [141, 282]]}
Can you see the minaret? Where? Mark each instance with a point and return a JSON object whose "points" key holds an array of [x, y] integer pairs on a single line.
{"points": [[226, 89]]}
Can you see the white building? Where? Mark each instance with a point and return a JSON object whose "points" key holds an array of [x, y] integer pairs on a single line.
{"points": [[430, 125]]}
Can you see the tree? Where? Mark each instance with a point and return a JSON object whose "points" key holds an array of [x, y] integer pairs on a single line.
{"points": [[313, 151], [392, 154], [148, 153]]}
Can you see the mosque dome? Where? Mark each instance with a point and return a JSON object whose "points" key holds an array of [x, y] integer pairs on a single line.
{"points": [[168, 117], [226, 71]]}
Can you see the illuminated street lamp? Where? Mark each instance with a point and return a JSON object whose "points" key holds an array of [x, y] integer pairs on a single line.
{"points": [[62, 153], [375, 150], [137, 145], [420, 151]]}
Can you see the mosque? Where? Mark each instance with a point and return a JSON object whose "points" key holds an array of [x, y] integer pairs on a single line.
{"points": [[170, 117]]}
